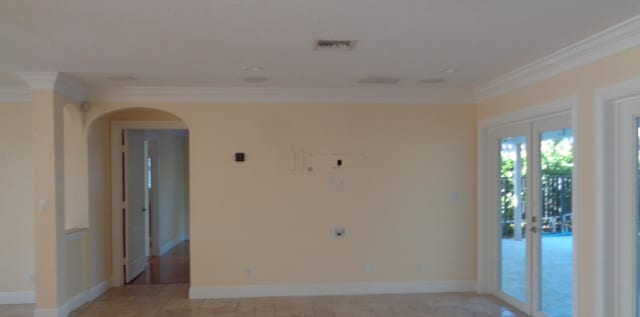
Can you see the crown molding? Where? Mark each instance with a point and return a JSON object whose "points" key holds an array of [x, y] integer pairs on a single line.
{"points": [[59, 82], [15, 94], [616, 39], [278, 95]]}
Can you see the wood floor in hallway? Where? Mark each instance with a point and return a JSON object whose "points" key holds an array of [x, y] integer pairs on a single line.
{"points": [[170, 268]]}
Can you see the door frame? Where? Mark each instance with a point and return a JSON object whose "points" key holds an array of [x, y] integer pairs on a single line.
{"points": [[117, 277], [487, 262], [614, 262]]}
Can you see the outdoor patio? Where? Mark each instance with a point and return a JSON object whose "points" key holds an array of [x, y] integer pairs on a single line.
{"points": [[557, 272]]}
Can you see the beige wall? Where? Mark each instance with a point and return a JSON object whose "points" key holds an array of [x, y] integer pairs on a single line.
{"points": [[16, 196], [395, 202], [581, 82], [99, 234], [75, 268], [75, 168]]}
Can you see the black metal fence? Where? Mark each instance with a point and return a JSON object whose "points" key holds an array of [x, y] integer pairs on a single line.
{"points": [[556, 192]]}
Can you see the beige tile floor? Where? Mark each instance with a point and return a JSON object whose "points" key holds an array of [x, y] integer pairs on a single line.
{"points": [[171, 300]]}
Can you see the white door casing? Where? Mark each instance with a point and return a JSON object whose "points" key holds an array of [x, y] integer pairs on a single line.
{"points": [[615, 200], [117, 242], [488, 247]]}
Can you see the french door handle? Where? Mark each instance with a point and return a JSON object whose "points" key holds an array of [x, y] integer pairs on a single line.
{"points": [[144, 209], [534, 229]]}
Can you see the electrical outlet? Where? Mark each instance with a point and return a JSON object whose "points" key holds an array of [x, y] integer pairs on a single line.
{"points": [[30, 277], [250, 271], [421, 268], [454, 197], [370, 267], [339, 232]]}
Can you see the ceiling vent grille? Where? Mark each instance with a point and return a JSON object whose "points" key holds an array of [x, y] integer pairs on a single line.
{"points": [[332, 45], [379, 80], [433, 80]]}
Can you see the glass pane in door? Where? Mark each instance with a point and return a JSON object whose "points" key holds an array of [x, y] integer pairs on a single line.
{"points": [[556, 238], [513, 247]]}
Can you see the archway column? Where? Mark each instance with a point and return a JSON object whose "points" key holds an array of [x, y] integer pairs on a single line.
{"points": [[48, 91]]}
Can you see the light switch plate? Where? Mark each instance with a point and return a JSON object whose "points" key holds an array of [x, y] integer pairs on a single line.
{"points": [[44, 205]]}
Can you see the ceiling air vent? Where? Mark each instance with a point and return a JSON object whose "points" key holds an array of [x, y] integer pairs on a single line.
{"points": [[332, 45], [379, 80], [433, 80]]}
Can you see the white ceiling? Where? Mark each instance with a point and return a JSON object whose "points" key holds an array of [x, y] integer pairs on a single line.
{"points": [[209, 42]]}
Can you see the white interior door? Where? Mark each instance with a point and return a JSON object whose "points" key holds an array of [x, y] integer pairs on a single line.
{"points": [[135, 210], [533, 166]]}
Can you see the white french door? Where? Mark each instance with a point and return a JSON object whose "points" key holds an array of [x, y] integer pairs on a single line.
{"points": [[532, 168]]}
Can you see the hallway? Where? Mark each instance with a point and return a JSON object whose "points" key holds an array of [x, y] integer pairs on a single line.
{"points": [[170, 268]]}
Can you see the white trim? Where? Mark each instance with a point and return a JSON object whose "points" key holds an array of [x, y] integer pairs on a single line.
{"points": [[487, 259], [39, 80], [117, 262], [98, 290], [15, 94], [59, 82], [530, 113], [607, 217], [616, 39], [74, 302], [169, 245], [280, 95], [575, 203], [75, 233], [278, 290], [46, 312], [26, 297]]}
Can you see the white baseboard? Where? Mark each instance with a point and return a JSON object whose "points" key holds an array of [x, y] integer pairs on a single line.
{"points": [[28, 297], [49, 312], [169, 245], [99, 289], [74, 302], [278, 290]]}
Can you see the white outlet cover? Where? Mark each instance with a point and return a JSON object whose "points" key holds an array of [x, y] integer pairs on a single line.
{"points": [[339, 232], [421, 268], [370, 267], [250, 271]]}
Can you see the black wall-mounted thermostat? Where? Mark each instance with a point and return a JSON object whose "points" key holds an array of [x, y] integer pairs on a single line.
{"points": [[239, 157]]}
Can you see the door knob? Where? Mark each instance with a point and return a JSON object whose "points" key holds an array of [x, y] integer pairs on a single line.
{"points": [[144, 209], [534, 229]]}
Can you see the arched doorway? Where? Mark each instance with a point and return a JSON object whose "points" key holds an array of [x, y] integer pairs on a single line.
{"points": [[139, 168]]}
